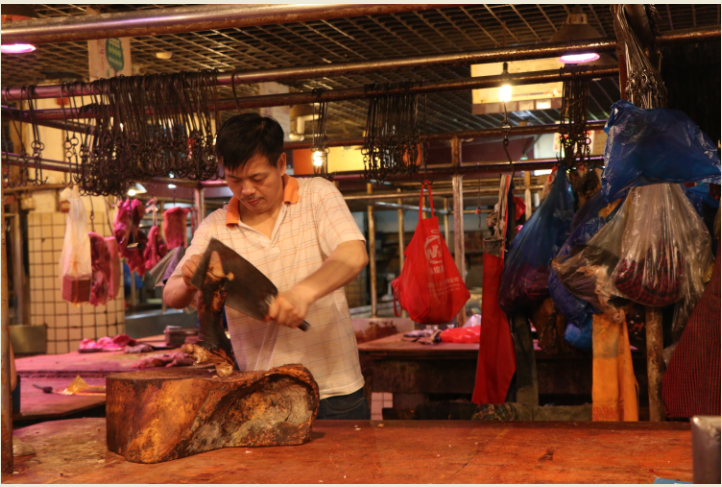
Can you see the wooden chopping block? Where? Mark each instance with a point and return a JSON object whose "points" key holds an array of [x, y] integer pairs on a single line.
{"points": [[159, 415]]}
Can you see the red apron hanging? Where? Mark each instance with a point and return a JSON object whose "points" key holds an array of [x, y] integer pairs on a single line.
{"points": [[430, 286], [496, 363]]}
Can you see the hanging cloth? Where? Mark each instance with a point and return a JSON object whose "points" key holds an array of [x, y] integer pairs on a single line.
{"points": [[691, 385], [614, 387], [496, 364]]}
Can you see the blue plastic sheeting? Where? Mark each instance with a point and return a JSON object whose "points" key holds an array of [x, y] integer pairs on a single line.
{"points": [[526, 270], [655, 146]]}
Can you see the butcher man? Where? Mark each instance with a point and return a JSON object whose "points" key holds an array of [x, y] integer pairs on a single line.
{"points": [[301, 235]]}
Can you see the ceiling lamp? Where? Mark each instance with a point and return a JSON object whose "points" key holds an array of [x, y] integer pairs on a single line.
{"points": [[136, 189], [13, 13], [577, 28]]}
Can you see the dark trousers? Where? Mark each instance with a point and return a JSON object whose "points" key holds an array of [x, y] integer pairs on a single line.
{"points": [[350, 406]]}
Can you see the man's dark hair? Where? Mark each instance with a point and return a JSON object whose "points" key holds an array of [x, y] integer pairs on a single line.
{"points": [[243, 136]]}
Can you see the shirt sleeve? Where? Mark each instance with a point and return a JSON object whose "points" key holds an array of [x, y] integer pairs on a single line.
{"points": [[334, 221]]}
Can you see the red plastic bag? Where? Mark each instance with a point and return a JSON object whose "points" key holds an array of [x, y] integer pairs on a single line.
{"points": [[430, 287], [469, 334], [496, 364]]}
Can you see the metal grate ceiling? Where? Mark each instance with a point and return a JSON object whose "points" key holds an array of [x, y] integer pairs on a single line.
{"points": [[462, 28]]}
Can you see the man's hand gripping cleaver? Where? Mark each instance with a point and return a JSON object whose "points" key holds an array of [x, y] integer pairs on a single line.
{"points": [[224, 277]]}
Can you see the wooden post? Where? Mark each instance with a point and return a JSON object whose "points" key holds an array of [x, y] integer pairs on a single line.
{"points": [[372, 252], [446, 221], [458, 190], [655, 363], [200, 204], [527, 194], [402, 245], [161, 210], [7, 411]]}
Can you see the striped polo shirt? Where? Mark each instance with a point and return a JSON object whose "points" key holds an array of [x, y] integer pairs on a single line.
{"points": [[312, 222]]}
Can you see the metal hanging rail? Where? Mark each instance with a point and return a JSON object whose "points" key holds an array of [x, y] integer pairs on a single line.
{"points": [[515, 53], [515, 131], [549, 76], [176, 20]]}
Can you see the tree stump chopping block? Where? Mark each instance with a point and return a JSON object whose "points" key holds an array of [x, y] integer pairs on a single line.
{"points": [[159, 415]]}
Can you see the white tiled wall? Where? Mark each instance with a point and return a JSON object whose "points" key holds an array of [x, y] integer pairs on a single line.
{"points": [[67, 323], [380, 400]]}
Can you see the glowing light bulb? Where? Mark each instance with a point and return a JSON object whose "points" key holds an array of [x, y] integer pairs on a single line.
{"points": [[132, 192], [171, 186], [587, 57], [318, 157], [505, 93], [16, 48]]}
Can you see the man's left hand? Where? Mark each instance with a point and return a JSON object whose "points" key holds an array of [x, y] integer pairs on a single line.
{"points": [[289, 308]]}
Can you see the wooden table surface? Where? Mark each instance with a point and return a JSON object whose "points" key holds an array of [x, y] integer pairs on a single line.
{"points": [[74, 451], [58, 371], [37, 405], [99, 364]]}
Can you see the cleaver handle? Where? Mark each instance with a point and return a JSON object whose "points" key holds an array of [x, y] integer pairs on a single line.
{"points": [[304, 326]]}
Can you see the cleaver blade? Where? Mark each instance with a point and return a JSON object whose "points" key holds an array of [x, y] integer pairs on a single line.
{"points": [[250, 291]]}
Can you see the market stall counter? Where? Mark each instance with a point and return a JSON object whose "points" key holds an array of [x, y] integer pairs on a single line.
{"points": [[393, 364], [75, 451]]}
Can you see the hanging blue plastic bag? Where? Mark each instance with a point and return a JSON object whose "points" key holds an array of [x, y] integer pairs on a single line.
{"points": [[526, 270], [584, 226], [652, 146], [579, 334], [586, 223]]}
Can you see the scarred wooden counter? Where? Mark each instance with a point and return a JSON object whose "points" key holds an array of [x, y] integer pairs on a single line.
{"points": [[74, 451]]}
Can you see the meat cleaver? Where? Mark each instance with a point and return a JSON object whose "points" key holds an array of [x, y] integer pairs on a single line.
{"points": [[249, 290]]}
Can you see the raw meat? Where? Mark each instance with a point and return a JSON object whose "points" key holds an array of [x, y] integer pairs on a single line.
{"points": [[131, 240], [156, 248], [100, 260], [116, 274], [174, 225]]}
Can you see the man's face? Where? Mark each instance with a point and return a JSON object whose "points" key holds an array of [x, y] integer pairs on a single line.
{"points": [[258, 185]]}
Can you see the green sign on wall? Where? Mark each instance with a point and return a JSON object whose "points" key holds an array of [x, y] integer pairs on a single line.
{"points": [[114, 53]]}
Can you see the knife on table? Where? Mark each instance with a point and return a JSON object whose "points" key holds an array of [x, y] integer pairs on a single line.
{"points": [[249, 291]]}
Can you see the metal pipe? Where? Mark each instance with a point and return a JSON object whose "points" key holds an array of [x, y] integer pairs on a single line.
{"points": [[462, 134], [301, 98], [442, 172], [199, 203], [457, 182], [402, 207], [18, 268], [402, 245], [176, 20], [372, 252], [7, 407], [514, 53], [437, 194], [62, 166], [70, 126]]}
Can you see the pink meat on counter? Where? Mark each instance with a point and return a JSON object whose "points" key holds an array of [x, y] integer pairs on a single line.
{"points": [[174, 225], [116, 274], [100, 261], [156, 248]]}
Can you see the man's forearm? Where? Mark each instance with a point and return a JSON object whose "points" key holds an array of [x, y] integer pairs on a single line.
{"points": [[176, 294], [340, 268]]}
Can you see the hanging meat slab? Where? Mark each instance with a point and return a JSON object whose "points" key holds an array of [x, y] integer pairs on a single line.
{"points": [[159, 415]]}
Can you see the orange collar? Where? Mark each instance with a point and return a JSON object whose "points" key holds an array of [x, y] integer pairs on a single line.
{"points": [[290, 197]]}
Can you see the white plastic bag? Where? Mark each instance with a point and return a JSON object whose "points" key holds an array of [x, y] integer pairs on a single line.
{"points": [[75, 264]]}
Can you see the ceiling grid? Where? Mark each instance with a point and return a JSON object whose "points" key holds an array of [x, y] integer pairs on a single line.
{"points": [[453, 29]]}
